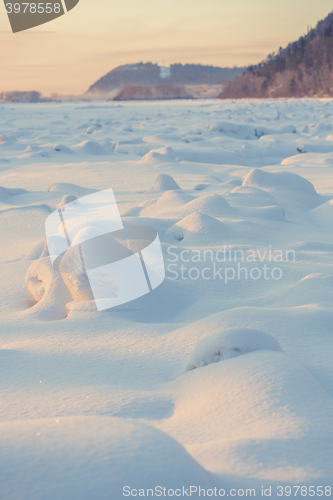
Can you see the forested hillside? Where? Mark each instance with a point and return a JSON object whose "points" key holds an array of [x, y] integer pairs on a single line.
{"points": [[303, 68]]}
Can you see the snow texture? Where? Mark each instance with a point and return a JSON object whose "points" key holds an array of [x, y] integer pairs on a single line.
{"points": [[222, 376]]}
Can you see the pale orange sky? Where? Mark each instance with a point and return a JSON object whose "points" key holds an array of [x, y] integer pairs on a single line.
{"points": [[70, 53]]}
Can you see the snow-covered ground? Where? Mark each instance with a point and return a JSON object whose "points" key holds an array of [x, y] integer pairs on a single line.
{"points": [[222, 377]]}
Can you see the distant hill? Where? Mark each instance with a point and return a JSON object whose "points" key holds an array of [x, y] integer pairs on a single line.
{"points": [[152, 75], [303, 68]]}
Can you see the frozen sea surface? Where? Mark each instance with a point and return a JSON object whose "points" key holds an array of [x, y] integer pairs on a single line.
{"points": [[222, 377]]}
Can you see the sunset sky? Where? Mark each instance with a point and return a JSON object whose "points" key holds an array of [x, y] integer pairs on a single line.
{"points": [[71, 52]]}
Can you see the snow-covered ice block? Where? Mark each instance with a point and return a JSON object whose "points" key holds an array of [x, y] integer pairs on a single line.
{"points": [[287, 187], [47, 287], [287, 181], [160, 155], [164, 182], [261, 415], [91, 148], [214, 205], [229, 344]]}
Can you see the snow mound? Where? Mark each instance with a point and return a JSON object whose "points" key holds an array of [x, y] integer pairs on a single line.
{"points": [[72, 269], [131, 146], [47, 287], [236, 130], [168, 204], [177, 204], [60, 148], [67, 199], [311, 159], [241, 131], [249, 196], [229, 344], [275, 213], [232, 182], [91, 130], [287, 181], [90, 457], [286, 129], [284, 185], [91, 148], [313, 246], [164, 182], [261, 408], [214, 205], [160, 155], [319, 277], [36, 154], [163, 138], [70, 189], [198, 229], [257, 192], [314, 288], [323, 214]]}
